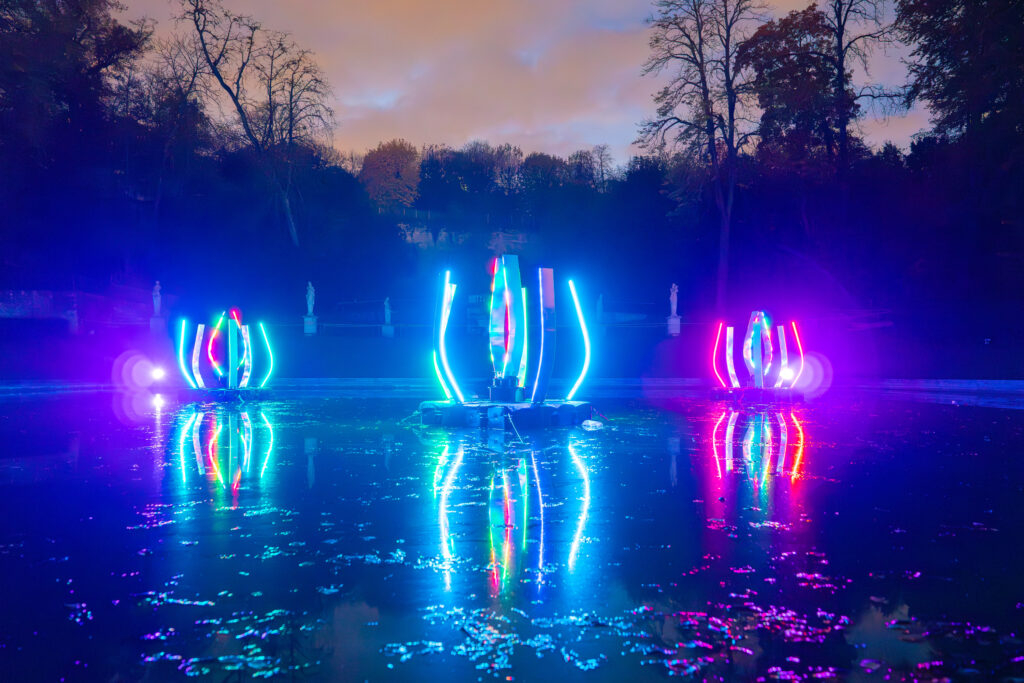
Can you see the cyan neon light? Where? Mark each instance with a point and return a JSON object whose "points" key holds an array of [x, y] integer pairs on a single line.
{"points": [[446, 309], [730, 363], [447, 546], [196, 348], [577, 537], [800, 348], [270, 355], [586, 342], [270, 447], [440, 379], [540, 359], [181, 355], [714, 357], [521, 375], [182, 438]]}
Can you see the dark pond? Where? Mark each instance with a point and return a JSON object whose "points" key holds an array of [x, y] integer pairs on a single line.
{"points": [[856, 538]]}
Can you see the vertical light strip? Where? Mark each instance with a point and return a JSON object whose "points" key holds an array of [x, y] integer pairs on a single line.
{"points": [[540, 506], [586, 342], [440, 379], [181, 355], [800, 348], [181, 443], [196, 350], [577, 537], [270, 448], [508, 326], [209, 347], [521, 375], [270, 355], [714, 356], [446, 542], [446, 310], [540, 324], [197, 445], [783, 357], [730, 364], [246, 357]]}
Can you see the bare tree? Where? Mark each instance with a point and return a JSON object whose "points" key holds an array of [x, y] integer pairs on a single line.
{"points": [[277, 93], [603, 160], [856, 25], [696, 42]]}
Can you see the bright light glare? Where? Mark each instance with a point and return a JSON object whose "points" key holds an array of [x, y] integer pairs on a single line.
{"points": [[158, 373], [787, 373], [158, 401]]}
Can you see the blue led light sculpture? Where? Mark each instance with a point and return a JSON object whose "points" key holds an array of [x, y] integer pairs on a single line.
{"points": [[233, 371]]}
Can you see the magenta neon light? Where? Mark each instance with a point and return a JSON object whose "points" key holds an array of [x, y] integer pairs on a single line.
{"points": [[800, 348], [714, 355]]}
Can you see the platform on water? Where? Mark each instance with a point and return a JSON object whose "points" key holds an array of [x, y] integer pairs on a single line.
{"points": [[496, 415], [757, 395]]}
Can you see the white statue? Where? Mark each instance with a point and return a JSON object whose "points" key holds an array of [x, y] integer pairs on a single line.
{"points": [[387, 310], [156, 299], [310, 298], [673, 298]]}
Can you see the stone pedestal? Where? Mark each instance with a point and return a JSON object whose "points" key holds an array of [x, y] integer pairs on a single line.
{"points": [[309, 324], [158, 324], [388, 331], [673, 325]]}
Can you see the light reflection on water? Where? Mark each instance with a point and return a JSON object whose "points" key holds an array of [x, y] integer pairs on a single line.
{"points": [[707, 539]]}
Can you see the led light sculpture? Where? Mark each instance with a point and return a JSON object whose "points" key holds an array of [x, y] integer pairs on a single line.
{"points": [[229, 355], [521, 335], [758, 353]]}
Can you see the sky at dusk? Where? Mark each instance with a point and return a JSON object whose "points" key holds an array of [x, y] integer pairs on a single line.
{"points": [[547, 75]]}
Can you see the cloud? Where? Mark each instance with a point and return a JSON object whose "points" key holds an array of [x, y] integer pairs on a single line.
{"points": [[548, 75]]}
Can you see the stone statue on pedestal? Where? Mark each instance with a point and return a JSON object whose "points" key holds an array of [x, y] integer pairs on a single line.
{"points": [[673, 319], [309, 320], [156, 299]]}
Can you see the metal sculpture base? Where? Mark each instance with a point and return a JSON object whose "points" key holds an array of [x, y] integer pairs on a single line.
{"points": [[756, 395], [497, 415]]}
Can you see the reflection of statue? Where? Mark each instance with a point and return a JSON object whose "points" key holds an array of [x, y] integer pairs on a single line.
{"points": [[310, 298], [673, 298], [387, 310], [156, 299]]}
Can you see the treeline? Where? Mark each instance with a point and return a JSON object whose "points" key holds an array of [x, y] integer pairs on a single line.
{"points": [[205, 158]]}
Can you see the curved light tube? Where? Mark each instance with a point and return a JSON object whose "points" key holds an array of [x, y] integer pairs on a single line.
{"points": [[246, 357], [270, 448], [440, 379], [783, 357], [209, 347], [714, 357], [783, 440], [181, 443], [800, 348], [577, 537], [197, 447], [446, 309], [181, 355], [730, 431], [270, 353], [446, 541], [521, 375], [586, 342], [540, 358], [196, 349]]}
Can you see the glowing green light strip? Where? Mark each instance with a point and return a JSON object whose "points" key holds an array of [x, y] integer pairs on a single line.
{"points": [[181, 355], [586, 342]]}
